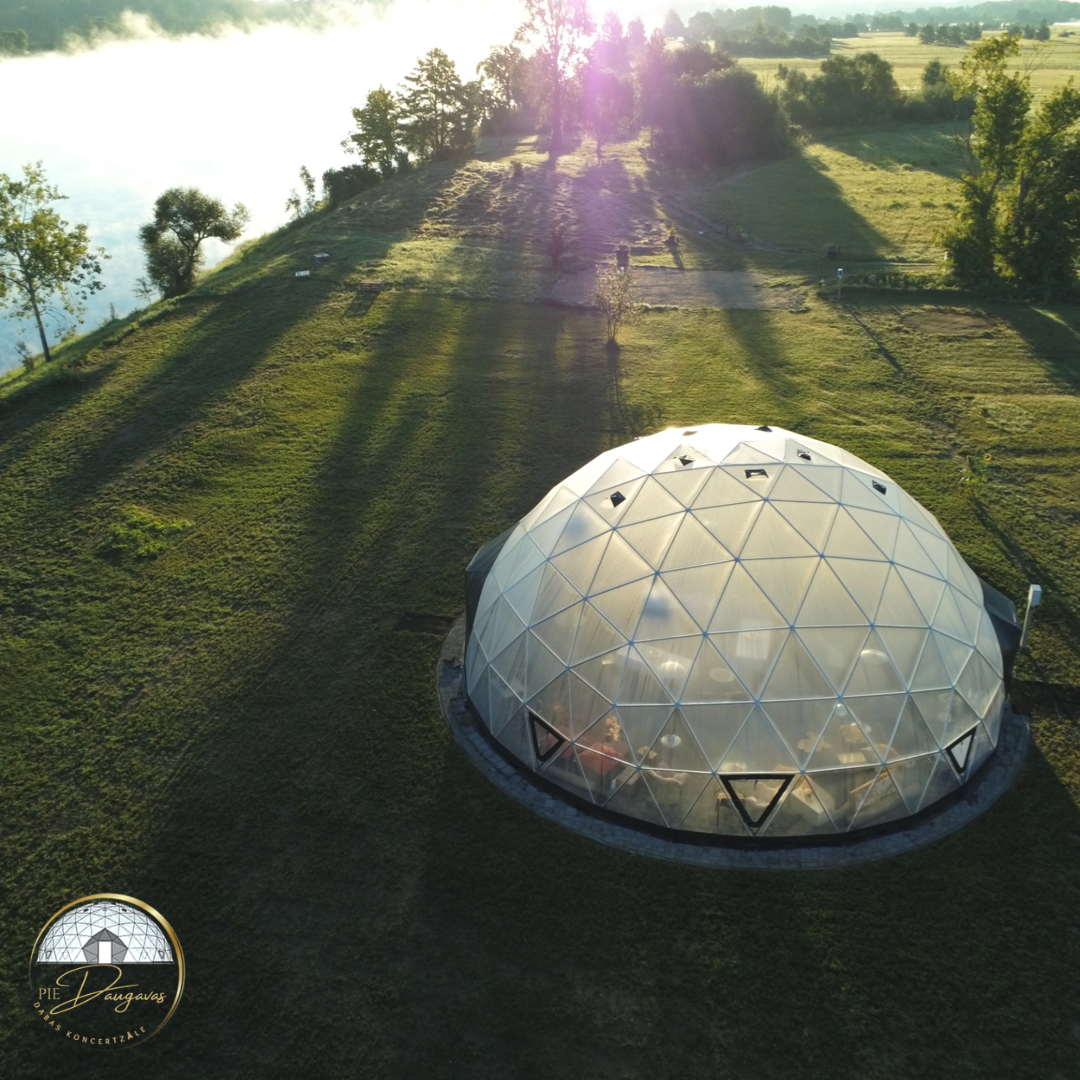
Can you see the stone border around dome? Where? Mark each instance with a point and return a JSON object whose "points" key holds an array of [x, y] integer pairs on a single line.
{"points": [[979, 795]]}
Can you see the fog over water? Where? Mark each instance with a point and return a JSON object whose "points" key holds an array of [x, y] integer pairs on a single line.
{"points": [[236, 116]]}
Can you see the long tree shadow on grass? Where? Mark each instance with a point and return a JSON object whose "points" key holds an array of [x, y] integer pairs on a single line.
{"points": [[1054, 335]]}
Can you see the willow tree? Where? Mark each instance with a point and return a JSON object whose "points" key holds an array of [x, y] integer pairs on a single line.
{"points": [[44, 264]]}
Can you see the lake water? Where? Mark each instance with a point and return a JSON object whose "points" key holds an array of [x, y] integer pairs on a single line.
{"points": [[236, 116]]}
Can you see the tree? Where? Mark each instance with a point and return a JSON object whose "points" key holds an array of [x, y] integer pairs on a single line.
{"points": [[560, 29], [607, 101], [43, 263], [673, 25], [439, 113], [376, 138], [302, 206], [1019, 220], [183, 219], [613, 294]]}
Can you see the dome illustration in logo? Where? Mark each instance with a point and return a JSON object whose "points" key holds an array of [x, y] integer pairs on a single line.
{"points": [[105, 932]]}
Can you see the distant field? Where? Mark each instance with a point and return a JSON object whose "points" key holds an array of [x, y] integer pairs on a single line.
{"points": [[1051, 62], [237, 731]]}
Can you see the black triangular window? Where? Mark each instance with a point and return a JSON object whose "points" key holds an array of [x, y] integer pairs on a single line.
{"points": [[753, 800], [546, 740], [960, 751]]}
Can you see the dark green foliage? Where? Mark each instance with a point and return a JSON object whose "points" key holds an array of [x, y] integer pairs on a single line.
{"points": [[438, 115], [377, 139], [349, 180], [183, 219], [850, 90], [1020, 220]]}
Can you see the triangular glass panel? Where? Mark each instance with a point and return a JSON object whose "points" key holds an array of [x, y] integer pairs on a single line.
{"points": [[962, 718], [584, 524], [751, 654], [526, 558], [606, 736], [722, 489], [578, 565], [545, 534], [971, 613], [813, 521], [828, 478], [505, 628], [552, 704], [959, 751], [693, 546], [546, 739], [848, 541], [755, 796], [676, 793], [873, 672], [835, 648], [982, 749], [796, 675], [937, 547], [978, 684], [604, 673], [557, 633], [843, 744], [699, 589], [663, 616], [915, 511], [774, 537], [478, 695], [541, 666], [622, 606], [715, 727], [897, 608], [963, 578], [621, 563], [613, 503], [784, 581], [857, 491], [503, 566], [931, 672], [516, 737], [877, 715], [842, 792], [555, 594], [683, 483], [729, 524], [758, 748], [744, 606], [881, 805], [671, 660], [639, 685], [712, 680], [904, 646], [510, 665], [714, 812], [633, 798], [800, 814], [641, 727], [652, 539], [911, 776], [936, 707], [652, 501], [676, 748], [949, 621], [912, 738], [910, 553], [522, 594], [793, 486], [865, 581], [760, 452], [800, 724], [988, 645], [619, 472], [942, 782], [595, 635], [602, 773], [881, 527], [828, 603], [954, 653], [586, 706]]}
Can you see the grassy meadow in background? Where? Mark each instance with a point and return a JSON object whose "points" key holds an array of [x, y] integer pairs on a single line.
{"points": [[214, 514]]}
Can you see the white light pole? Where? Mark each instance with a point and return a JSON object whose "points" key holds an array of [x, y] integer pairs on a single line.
{"points": [[839, 283], [1034, 599]]}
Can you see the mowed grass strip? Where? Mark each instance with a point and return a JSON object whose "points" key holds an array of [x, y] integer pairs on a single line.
{"points": [[232, 730]]}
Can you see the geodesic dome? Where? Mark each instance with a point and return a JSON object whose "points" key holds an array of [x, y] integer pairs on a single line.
{"points": [[124, 934], [736, 631]]}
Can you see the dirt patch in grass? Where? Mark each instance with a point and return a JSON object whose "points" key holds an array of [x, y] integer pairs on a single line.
{"points": [[947, 323], [664, 286]]}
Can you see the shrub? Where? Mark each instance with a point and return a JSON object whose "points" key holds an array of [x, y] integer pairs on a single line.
{"points": [[142, 534]]}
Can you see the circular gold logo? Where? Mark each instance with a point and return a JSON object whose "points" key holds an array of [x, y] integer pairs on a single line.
{"points": [[106, 972]]}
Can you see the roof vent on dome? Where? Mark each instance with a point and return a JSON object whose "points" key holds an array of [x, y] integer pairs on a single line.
{"points": [[752, 474], [764, 427], [879, 487]]}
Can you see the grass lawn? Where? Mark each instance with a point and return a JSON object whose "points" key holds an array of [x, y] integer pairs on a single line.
{"points": [[229, 726]]}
